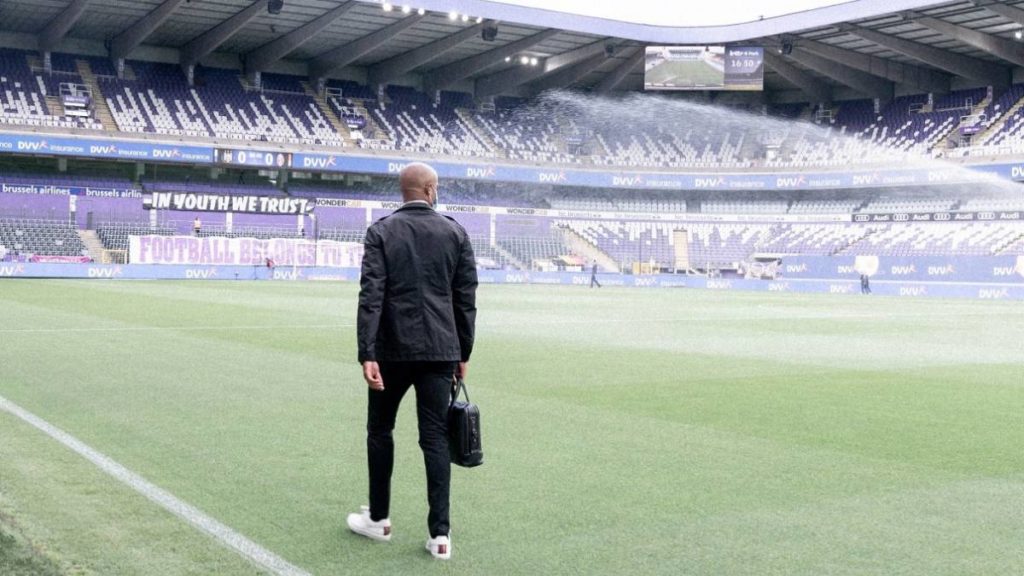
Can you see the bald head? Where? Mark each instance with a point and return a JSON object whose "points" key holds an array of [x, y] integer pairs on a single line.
{"points": [[418, 181]]}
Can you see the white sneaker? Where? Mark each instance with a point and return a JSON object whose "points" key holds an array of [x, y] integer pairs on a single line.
{"points": [[363, 525], [440, 547]]}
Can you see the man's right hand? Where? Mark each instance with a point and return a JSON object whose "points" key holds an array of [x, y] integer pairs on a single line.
{"points": [[462, 370], [371, 373]]}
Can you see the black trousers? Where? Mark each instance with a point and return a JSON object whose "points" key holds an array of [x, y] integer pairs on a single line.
{"points": [[433, 384]]}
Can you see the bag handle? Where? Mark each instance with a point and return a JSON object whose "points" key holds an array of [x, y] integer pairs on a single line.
{"points": [[459, 385]]}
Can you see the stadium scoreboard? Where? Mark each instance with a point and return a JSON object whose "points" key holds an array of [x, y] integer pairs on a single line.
{"points": [[254, 158], [704, 68]]}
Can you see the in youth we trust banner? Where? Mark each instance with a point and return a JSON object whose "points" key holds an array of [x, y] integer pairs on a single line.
{"points": [[152, 249]]}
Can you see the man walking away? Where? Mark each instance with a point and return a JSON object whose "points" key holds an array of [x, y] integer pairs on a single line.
{"points": [[417, 309], [593, 276], [865, 284]]}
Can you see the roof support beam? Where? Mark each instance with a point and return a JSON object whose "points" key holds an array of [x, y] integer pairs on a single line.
{"points": [[506, 80], [916, 77], [567, 75], [57, 28], [616, 76], [862, 82], [984, 71], [207, 42], [818, 92], [451, 73], [323, 65], [1004, 10], [1006, 49], [394, 67], [136, 34], [263, 57]]}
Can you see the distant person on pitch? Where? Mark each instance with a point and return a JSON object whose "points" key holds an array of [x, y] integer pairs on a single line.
{"points": [[415, 326], [865, 284], [197, 225], [593, 276]]}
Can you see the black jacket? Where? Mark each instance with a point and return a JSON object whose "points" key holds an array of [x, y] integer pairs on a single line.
{"points": [[418, 289]]}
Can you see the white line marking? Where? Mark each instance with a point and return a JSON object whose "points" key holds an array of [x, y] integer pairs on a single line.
{"points": [[186, 328], [247, 548]]}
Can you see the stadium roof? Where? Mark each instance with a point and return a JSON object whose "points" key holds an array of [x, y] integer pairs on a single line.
{"points": [[867, 48]]}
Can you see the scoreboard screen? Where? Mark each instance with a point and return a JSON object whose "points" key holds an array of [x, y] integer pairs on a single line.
{"points": [[254, 158], [704, 68]]}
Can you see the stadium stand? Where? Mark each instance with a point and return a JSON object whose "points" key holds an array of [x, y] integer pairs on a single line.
{"points": [[26, 97], [36, 237]]}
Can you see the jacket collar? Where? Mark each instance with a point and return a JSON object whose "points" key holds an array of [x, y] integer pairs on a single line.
{"points": [[416, 205]]}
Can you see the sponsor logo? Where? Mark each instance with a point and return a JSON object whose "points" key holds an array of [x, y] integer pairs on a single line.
{"points": [[105, 150], [287, 275], [32, 146], [941, 175], [1004, 271], [986, 215], [396, 167], [790, 181], [166, 153], [1009, 215], [941, 216], [993, 293], [900, 217], [796, 268], [645, 281], [904, 270], [627, 180], [552, 177], [708, 182], [523, 211], [866, 179], [98, 272], [719, 284], [846, 269], [840, 288], [517, 278], [580, 280], [963, 216], [1017, 171], [913, 291], [946, 270], [861, 218], [200, 273], [484, 172], [778, 286], [7, 270]]}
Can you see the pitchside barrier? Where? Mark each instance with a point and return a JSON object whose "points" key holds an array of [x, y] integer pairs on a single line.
{"points": [[1011, 288]]}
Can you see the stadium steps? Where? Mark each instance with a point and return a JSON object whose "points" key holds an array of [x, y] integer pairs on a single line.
{"points": [[92, 244], [999, 249], [996, 127], [583, 247], [480, 134], [842, 249], [54, 105], [325, 109], [508, 256], [951, 139], [99, 101]]}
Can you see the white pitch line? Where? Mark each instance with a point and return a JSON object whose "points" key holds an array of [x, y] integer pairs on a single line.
{"points": [[163, 328], [247, 548]]}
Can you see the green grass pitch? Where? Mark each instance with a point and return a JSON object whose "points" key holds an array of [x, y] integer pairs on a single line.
{"points": [[684, 73], [626, 431]]}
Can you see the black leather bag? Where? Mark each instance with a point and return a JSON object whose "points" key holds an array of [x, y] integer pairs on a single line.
{"points": [[464, 429]]}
